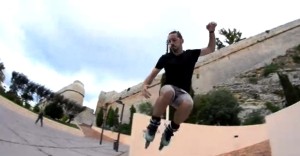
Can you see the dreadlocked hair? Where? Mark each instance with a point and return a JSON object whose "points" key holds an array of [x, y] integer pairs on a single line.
{"points": [[177, 33], [167, 50]]}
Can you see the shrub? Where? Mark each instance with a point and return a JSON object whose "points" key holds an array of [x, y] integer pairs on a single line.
{"points": [[254, 118], [145, 108], [54, 111], [218, 107], [252, 80], [271, 68], [272, 107]]}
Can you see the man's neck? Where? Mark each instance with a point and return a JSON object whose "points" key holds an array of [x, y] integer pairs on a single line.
{"points": [[178, 52]]}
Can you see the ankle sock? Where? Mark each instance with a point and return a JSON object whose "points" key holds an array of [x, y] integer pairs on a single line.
{"points": [[155, 118]]}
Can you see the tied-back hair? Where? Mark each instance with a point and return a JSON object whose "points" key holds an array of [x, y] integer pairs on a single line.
{"points": [[178, 35]]}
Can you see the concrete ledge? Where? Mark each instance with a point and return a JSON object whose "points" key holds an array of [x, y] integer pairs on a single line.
{"points": [[47, 122], [196, 140]]}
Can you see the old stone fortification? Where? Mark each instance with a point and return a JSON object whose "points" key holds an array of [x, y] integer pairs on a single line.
{"points": [[221, 66], [74, 92]]}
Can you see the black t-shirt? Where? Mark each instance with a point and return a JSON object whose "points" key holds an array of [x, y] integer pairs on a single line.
{"points": [[179, 69]]}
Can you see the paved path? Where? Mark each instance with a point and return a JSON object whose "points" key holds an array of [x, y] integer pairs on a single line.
{"points": [[19, 136]]}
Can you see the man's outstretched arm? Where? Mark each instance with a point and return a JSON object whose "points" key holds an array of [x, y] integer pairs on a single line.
{"points": [[212, 39]]}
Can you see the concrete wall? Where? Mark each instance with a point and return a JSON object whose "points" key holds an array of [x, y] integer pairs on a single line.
{"points": [[226, 63], [283, 129], [47, 122], [196, 140]]}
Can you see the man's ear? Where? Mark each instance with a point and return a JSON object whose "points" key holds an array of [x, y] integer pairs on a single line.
{"points": [[182, 40]]}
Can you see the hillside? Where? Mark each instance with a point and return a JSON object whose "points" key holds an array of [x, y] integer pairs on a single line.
{"points": [[259, 90]]}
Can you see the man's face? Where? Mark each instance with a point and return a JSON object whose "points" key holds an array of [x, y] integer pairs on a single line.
{"points": [[174, 42]]}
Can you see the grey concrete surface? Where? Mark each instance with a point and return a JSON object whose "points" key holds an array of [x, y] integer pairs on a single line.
{"points": [[19, 136]]}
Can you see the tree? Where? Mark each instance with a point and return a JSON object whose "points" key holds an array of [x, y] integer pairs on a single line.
{"points": [[110, 117], [116, 117], [231, 37], [132, 111], [18, 83], [2, 75], [218, 107], [99, 119], [145, 108]]}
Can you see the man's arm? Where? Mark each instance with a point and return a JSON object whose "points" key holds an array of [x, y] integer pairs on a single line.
{"points": [[148, 81], [212, 39], [151, 76]]}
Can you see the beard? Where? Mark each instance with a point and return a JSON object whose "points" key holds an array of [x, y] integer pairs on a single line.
{"points": [[174, 49]]}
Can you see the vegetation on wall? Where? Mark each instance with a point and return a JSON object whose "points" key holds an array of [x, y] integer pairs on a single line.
{"points": [[231, 37]]}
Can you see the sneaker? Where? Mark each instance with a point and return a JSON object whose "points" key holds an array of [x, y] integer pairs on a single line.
{"points": [[151, 130]]}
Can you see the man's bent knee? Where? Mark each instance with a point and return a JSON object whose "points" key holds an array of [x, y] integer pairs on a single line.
{"points": [[167, 91]]}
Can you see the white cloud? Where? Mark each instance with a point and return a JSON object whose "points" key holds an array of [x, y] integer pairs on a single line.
{"points": [[123, 20]]}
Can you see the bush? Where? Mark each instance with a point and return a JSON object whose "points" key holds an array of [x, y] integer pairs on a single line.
{"points": [[218, 107], [145, 108], [252, 80], [254, 118], [54, 111], [125, 129], [296, 59], [27, 105], [298, 47], [271, 68], [64, 118], [272, 107]]}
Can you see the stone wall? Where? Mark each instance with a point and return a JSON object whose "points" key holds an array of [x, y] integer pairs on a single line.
{"points": [[220, 66]]}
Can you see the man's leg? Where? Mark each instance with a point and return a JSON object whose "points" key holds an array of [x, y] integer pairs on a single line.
{"points": [[184, 105], [166, 96], [37, 120], [184, 109], [41, 121]]}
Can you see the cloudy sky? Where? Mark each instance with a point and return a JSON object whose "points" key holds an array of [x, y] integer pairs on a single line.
{"points": [[114, 44]]}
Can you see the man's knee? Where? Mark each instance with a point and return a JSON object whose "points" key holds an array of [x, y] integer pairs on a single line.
{"points": [[167, 91]]}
